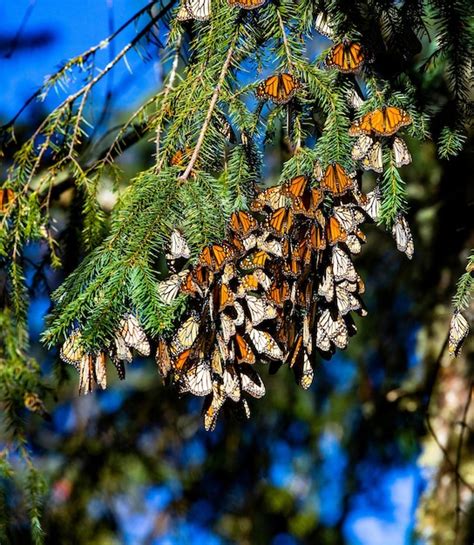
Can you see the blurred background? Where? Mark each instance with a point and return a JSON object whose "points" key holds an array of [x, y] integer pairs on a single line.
{"points": [[368, 456]]}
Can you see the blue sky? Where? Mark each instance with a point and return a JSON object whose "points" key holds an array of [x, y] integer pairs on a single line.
{"points": [[75, 25]]}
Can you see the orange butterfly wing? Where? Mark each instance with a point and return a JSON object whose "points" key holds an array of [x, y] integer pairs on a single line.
{"points": [[336, 180], [247, 4], [296, 186], [334, 231], [243, 351], [6, 197]]}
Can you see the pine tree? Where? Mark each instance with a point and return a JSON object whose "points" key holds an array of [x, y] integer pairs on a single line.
{"points": [[210, 123]]}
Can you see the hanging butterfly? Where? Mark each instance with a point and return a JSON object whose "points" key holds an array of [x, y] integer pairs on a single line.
{"points": [[178, 247], [336, 180], [242, 223], [458, 331], [280, 88], [216, 255], [186, 335], [71, 351], [247, 4], [194, 9], [342, 266], [251, 382], [197, 379], [401, 155], [273, 198], [163, 359], [384, 122], [133, 335], [402, 234], [348, 57], [168, 289], [280, 221], [6, 197], [334, 231], [264, 343], [323, 25]]}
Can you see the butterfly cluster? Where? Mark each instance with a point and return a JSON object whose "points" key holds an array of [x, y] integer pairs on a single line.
{"points": [[92, 366], [280, 288]]}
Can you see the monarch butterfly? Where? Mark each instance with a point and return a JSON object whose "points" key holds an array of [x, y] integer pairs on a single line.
{"points": [[348, 57], [384, 122], [227, 327], [299, 361], [197, 379], [229, 273], [168, 289], [242, 223], [317, 239], [323, 25], [178, 246], [371, 203], [86, 375], [71, 351], [186, 335], [257, 259], [295, 187], [240, 314], [216, 255], [346, 301], [163, 359], [36, 405], [280, 221], [279, 292], [272, 197], [133, 335], [374, 159], [6, 197], [251, 382], [348, 216], [401, 155], [247, 4], [336, 180], [326, 285], [361, 147], [402, 234], [213, 405], [265, 344], [342, 266], [334, 231], [260, 309], [225, 297], [101, 370], [243, 352], [181, 359], [231, 383], [458, 331], [331, 330], [354, 100], [270, 246], [304, 251], [194, 9], [308, 203], [280, 88]]}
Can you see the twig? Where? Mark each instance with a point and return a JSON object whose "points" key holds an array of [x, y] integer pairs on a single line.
{"points": [[285, 40], [446, 454], [83, 56], [210, 111], [458, 462], [168, 88]]}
